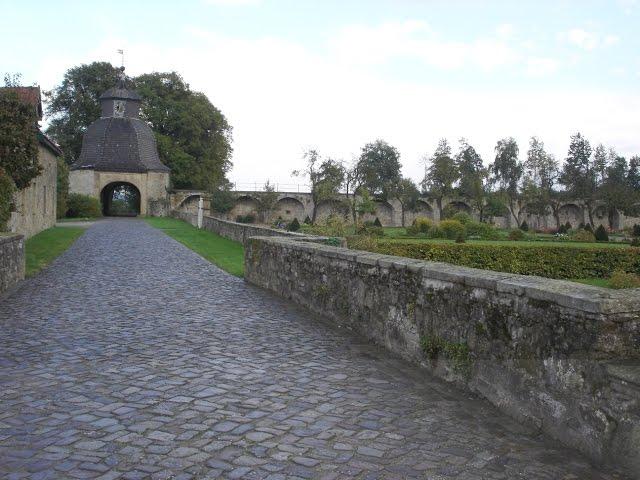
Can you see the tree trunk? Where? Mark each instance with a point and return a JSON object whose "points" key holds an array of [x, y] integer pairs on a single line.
{"points": [[402, 209], [439, 205], [590, 213]]}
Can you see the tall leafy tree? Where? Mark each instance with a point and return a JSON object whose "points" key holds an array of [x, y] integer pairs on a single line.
{"points": [[616, 191], [379, 167], [578, 175], [507, 171], [441, 175], [193, 136], [540, 175], [473, 181], [267, 200], [600, 163], [326, 177], [633, 175], [407, 193], [74, 104]]}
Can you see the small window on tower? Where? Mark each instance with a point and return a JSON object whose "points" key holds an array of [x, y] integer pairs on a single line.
{"points": [[118, 108]]}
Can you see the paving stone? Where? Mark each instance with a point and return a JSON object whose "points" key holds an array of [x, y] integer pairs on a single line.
{"points": [[132, 357]]}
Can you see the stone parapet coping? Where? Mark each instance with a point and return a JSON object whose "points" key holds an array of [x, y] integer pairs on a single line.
{"points": [[564, 293], [11, 237]]}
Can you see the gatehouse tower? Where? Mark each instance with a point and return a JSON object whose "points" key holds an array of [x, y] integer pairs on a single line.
{"points": [[119, 162]]}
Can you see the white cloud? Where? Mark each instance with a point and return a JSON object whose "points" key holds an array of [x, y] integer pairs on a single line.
{"points": [[540, 67], [363, 44], [506, 30], [588, 40]]}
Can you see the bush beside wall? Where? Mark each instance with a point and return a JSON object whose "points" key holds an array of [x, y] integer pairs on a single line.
{"points": [[551, 262]]}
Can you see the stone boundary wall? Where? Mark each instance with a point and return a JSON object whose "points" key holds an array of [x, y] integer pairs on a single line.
{"points": [[239, 232], [559, 356], [11, 261]]}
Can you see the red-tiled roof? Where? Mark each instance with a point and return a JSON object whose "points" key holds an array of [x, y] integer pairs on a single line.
{"points": [[30, 95]]}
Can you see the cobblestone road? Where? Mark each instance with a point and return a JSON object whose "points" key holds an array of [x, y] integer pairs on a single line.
{"points": [[132, 357]]}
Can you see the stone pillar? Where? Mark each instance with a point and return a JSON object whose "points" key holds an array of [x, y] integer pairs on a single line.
{"points": [[200, 211]]}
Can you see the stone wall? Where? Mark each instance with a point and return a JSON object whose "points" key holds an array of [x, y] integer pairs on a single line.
{"points": [[35, 205], [559, 356], [11, 260], [238, 232]]}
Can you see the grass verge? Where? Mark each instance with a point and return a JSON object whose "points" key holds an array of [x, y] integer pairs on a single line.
{"points": [[226, 254], [43, 248]]}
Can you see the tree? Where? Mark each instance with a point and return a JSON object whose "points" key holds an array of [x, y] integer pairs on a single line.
{"points": [[379, 166], [193, 136], [407, 194], [616, 191], [267, 199], [507, 172], [600, 163], [578, 176], [222, 198], [74, 104], [352, 185], [326, 177], [633, 176], [18, 139], [441, 174], [473, 177], [540, 174]]}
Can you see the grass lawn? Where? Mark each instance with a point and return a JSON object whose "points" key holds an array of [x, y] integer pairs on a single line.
{"points": [[78, 219], [43, 248], [226, 254]]}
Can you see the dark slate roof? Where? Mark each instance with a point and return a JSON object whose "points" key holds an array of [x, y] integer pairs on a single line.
{"points": [[119, 145], [120, 93]]}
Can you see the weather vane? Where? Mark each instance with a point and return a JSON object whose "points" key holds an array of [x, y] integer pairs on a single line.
{"points": [[121, 52]]}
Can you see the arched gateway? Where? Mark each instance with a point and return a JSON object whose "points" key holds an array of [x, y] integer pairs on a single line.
{"points": [[119, 162]]}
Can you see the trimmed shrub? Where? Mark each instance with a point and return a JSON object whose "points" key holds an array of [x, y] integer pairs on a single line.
{"points": [[588, 228], [377, 223], [452, 229], [583, 236], [601, 234], [516, 235], [80, 206], [294, 226], [249, 218], [562, 229], [460, 238], [370, 229], [524, 226], [420, 225], [463, 217], [636, 230], [332, 226], [563, 261], [567, 227], [635, 242], [7, 188], [307, 220], [621, 279], [483, 231], [363, 242]]}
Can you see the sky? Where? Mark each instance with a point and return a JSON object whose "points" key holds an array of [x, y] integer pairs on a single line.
{"points": [[333, 75]]}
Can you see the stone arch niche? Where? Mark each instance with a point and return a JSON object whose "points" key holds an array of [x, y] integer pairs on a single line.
{"points": [[289, 208], [244, 205], [571, 213], [327, 208], [120, 199], [536, 221], [383, 211], [422, 209], [190, 204], [456, 206]]}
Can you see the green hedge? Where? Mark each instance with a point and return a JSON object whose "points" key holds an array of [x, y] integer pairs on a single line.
{"points": [[79, 206], [551, 262]]}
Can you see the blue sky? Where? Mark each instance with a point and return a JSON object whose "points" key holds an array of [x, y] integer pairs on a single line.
{"points": [[335, 74]]}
